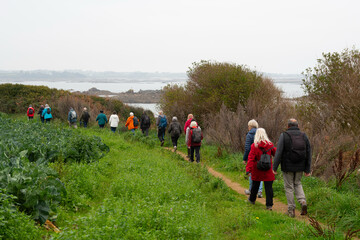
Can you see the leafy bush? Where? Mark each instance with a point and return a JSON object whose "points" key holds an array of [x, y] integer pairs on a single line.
{"points": [[27, 149], [14, 224], [46, 143], [223, 97], [37, 189], [330, 112]]}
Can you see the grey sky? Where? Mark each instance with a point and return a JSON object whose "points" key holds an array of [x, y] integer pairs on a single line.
{"points": [[168, 36]]}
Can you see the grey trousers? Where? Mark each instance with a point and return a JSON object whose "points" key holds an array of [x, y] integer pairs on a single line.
{"points": [[292, 183]]}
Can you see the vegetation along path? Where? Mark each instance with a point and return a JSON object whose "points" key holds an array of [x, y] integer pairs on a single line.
{"points": [[278, 206]]}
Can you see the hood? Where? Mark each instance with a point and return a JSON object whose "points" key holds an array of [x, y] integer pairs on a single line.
{"points": [[265, 145]]}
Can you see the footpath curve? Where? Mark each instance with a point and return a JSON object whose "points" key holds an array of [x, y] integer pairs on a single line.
{"points": [[277, 207]]}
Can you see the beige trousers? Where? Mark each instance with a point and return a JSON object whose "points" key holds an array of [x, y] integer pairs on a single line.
{"points": [[292, 183]]}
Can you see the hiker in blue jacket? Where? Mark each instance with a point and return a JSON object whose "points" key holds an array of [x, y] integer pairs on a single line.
{"points": [[161, 123], [47, 113], [252, 126]]}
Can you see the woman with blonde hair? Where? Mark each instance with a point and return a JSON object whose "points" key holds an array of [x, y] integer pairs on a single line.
{"points": [[261, 145]]}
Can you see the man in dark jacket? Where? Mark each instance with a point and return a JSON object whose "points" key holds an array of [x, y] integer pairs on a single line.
{"points": [[294, 154], [175, 131], [40, 113], [85, 116], [145, 123]]}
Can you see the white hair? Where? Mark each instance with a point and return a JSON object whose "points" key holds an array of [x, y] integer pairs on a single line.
{"points": [[253, 123], [174, 119], [260, 136], [131, 114]]}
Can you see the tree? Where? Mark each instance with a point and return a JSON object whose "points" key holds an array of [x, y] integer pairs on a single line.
{"points": [[333, 88]]}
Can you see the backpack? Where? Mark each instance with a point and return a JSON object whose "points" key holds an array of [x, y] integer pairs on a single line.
{"points": [[73, 114], [175, 129], [298, 147], [163, 122], [48, 111], [264, 163], [31, 111], [196, 135], [146, 120], [136, 121]]}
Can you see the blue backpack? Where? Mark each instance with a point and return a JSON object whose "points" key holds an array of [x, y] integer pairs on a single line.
{"points": [[163, 122]]}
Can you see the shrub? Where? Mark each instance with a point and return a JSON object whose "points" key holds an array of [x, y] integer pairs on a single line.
{"points": [[14, 224], [330, 112], [332, 88], [223, 97]]}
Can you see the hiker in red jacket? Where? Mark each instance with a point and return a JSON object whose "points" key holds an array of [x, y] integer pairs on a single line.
{"points": [[30, 112], [261, 144], [194, 141]]}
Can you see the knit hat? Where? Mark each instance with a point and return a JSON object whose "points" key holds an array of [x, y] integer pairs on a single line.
{"points": [[193, 124]]}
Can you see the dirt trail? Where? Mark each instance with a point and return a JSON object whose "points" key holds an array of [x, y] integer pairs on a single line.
{"points": [[278, 206]]}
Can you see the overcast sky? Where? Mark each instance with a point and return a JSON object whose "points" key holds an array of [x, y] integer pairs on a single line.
{"points": [[278, 36]]}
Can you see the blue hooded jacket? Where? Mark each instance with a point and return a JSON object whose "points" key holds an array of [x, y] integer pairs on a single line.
{"points": [[249, 140]]}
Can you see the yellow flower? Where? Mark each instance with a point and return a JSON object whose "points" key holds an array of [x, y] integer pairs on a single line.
{"points": [[257, 217]]}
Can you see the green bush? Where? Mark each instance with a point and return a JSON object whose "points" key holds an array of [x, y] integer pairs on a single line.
{"points": [[14, 224]]}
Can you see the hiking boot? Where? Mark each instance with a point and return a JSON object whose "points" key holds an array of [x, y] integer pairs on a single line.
{"points": [[303, 209], [251, 202], [269, 208], [260, 195], [291, 212], [162, 143], [247, 192], [175, 148]]}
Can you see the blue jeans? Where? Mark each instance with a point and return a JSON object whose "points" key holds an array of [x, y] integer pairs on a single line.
{"points": [[251, 182], [113, 129]]}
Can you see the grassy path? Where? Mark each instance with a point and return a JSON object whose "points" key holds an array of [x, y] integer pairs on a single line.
{"points": [[278, 206]]}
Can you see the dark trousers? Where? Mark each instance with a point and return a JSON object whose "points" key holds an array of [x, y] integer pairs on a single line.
{"points": [[47, 120], [174, 140], [197, 153], [145, 131], [84, 123], [113, 129], [101, 125], [42, 119], [268, 191], [161, 134]]}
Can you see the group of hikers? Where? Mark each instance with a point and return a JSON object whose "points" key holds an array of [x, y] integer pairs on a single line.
{"points": [[293, 150], [293, 153], [193, 134], [44, 113]]}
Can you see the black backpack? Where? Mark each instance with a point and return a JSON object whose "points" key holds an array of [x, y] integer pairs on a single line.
{"points": [[136, 122], [196, 135], [31, 111], [175, 129], [48, 111], [298, 147], [146, 120], [264, 163]]}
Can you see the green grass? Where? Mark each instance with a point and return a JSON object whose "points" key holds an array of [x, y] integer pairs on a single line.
{"points": [[325, 203], [141, 191]]}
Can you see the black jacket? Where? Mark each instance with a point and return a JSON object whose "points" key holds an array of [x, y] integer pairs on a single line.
{"points": [[283, 150], [85, 116], [144, 125], [175, 129]]}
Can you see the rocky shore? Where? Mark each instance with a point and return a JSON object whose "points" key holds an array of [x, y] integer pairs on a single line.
{"points": [[142, 96]]}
